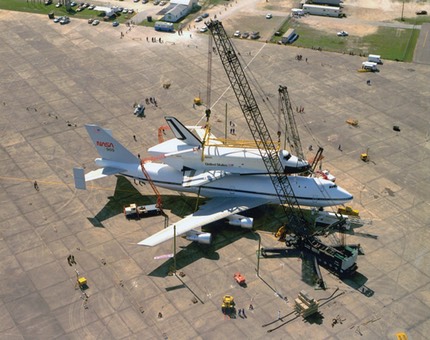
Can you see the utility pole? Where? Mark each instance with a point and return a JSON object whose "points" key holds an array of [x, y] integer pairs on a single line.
{"points": [[225, 128], [403, 7], [174, 249]]}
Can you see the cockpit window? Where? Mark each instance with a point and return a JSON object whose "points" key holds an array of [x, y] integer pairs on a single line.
{"points": [[287, 156], [333, 186]]}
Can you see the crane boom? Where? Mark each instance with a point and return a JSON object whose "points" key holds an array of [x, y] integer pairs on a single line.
{"points": [[257, 126], [291, 132]]}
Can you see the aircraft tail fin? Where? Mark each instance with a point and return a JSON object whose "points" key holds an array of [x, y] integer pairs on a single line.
{"points": [[181, 132], [108, 147]]}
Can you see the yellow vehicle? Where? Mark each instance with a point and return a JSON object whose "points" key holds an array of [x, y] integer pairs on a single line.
{"points": [[197, 101], [401, 336], [365, 156], [347, 210], [281, 233], [227, 304]]}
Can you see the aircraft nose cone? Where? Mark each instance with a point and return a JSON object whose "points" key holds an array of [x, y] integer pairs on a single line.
{"points": [[345, 194]]}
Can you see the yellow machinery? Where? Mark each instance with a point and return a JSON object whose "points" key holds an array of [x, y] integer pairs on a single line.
{"points": [[82, 282], [353, 122], [401, 336], [365, 156], [197, 101], [227, 304], [281, 233], [347, 210]]}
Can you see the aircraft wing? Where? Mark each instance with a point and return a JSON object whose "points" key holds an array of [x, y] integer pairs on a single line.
{"points": [[214, 210]]}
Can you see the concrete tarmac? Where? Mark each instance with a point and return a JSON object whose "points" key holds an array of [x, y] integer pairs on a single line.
{"points": [[54, 79]]}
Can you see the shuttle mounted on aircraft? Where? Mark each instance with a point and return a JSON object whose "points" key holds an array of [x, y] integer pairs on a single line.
{"points": [[234, 179]]}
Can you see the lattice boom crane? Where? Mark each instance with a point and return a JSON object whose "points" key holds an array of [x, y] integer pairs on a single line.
{"points": [[257, 126]]}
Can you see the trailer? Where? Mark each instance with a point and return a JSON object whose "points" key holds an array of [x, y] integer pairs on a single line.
{"points": [[134, 211], [328, 2], [164, 26], [329, 11], [288, 37]]}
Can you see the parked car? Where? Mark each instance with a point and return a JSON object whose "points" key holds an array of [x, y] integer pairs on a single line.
{"points": [[236, 34], [163, 3], [205, 15], [198, 19], [421, 13], [115, 24], [255, 35], [144, 1], [73, 4], [48, 2], [90, 20], [57, 19], [58, 4], [91, 7], [203, 29], [245, 35], [342, 34], [156, 2], [64, 20], [269, 16], [95, 22]]}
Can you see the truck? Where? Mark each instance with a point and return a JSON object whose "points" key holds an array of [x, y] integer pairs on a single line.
{"points": [[374, 58], [297, 12], [133, 211], [347, 210], [369, 66]]}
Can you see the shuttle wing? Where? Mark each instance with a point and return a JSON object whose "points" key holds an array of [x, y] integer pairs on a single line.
{"points": [[193, 178], [214, 210]]}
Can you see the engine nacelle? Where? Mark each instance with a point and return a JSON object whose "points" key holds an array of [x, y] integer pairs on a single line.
{"points": [[241, 221], [202, 238]]}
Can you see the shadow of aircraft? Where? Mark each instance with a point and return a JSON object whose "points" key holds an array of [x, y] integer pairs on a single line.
{"points": [[222, 235], [124, 194]]}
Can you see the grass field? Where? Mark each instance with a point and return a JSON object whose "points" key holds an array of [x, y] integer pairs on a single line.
{"points": [[392, 43]]}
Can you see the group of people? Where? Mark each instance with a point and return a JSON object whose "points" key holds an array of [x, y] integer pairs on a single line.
{"points": [[71, 260]]}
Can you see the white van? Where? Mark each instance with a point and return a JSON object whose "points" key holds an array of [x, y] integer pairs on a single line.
{"points": [[374, 58], [369, 66]]}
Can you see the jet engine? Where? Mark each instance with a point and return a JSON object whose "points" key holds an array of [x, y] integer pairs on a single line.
{"points": [[241, 221], [199, 237]]}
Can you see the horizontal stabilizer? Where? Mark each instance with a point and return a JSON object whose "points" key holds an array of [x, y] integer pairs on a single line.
{"points": [[79, 176], [102, 172], [193, 178]]}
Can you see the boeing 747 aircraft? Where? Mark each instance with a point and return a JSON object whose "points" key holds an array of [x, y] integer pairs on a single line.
{"points": [[234, 179]]}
